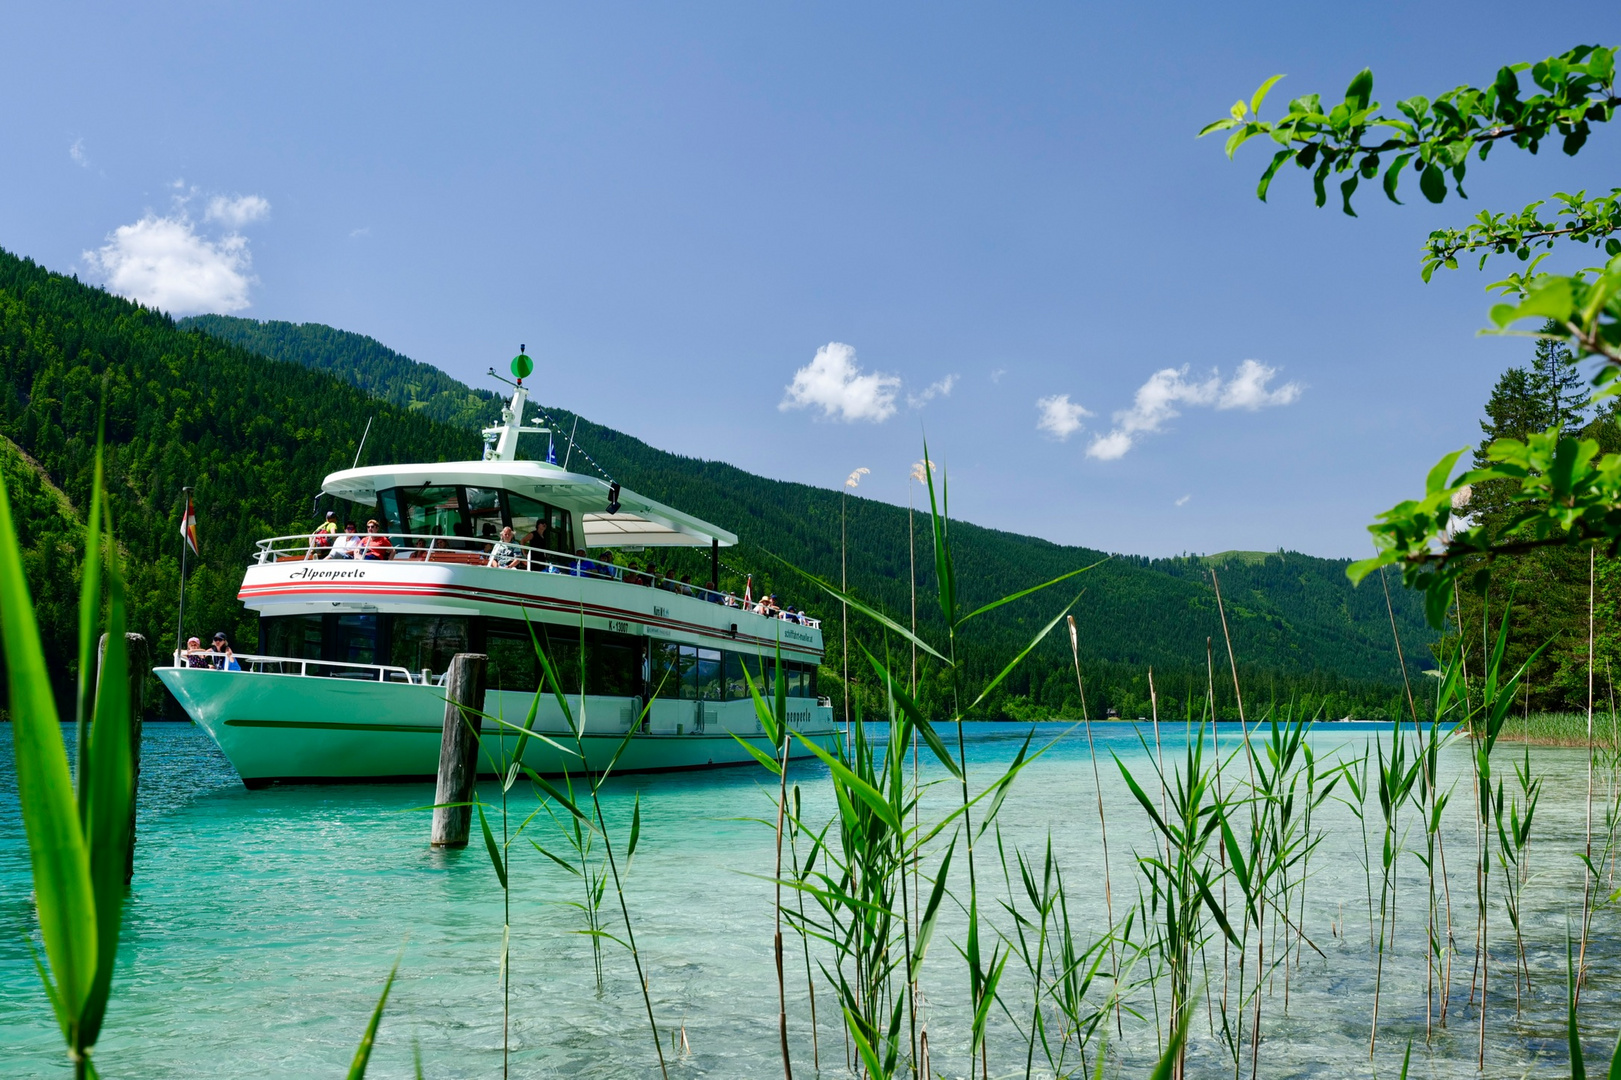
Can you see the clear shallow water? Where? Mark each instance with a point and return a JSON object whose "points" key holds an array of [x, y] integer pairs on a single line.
{"points": [[262, 925]]}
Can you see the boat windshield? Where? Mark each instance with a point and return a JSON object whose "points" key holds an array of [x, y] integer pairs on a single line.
{"points": [[476, 512]]}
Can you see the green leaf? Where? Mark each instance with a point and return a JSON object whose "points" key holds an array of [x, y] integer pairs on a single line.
{"points": [[571, 868], [491, 846], [1272, 170], [856, 785], [944, 572], [357, 1068], [1011, 664], [1393, 175], [931, 912], [1432, 183], [1360, 92], [56, 848], [913, 711], [112, 787], [562, 800], [1260, 95], [866, 609], [1347, 188], [1021, 594], [635, 830], [1578, 1068], [765, 759]]}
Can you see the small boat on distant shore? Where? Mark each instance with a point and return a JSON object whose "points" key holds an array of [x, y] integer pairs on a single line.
{"points": [[356, 636]]}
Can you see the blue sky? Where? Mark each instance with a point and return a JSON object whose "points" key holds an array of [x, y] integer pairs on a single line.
{"points": [[695, 215]]}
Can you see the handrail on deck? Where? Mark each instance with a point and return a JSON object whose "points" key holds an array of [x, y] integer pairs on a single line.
{"points": [[499, 554], [279, 665]]}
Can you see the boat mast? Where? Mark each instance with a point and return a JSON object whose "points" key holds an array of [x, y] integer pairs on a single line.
{"points": [[501, 441]]}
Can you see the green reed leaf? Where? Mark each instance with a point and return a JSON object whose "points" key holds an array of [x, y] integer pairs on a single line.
{"points": [[766, 760], [864, 608], [491, 846], [855, 785], [913, 711], [931, 913], [562, 800], [944, 573], [111, 786], [56, 848], [357, 1067], [635, 830], [565, 864], [1019, 659], [1022, 593]]}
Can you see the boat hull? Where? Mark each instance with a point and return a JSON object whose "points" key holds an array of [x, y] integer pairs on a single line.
{"points": [[278, 728]]}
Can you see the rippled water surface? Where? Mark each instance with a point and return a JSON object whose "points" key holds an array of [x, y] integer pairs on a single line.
{"points": [[262, 925]]}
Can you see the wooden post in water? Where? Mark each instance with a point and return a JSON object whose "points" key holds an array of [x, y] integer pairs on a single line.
{"points": [[458, 749], [135, 645]]}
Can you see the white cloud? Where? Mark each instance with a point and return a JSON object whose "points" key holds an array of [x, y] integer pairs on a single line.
{"points": [[1168, 390], [1059, 417], [934, 390], [164, 263], [1247, 390], [1183, 501], [996, 376], [834, 381], [76, 152], [237, 210]]}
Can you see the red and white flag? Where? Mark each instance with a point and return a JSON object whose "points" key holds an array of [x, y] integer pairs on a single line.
{"points": [[748, 589], [188, 527]]}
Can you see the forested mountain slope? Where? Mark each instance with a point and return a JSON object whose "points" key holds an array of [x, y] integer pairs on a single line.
{"points": [[253, 436], [1297, 624]]}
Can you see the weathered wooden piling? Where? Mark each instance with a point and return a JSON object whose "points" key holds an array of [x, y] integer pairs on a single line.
{"points": [[135, 645], [458, 750]]}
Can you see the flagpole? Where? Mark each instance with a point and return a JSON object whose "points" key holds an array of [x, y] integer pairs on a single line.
{"points": [[180, 623]]}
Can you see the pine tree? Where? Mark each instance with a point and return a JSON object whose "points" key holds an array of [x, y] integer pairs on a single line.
{"points": [[1556, 381]]}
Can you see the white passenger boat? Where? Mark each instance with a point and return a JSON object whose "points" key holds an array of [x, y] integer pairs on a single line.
{"points": [[348, 679]]}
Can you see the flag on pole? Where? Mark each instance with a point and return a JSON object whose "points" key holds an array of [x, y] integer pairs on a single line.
{"points": [[188, 527], [748, 589]]}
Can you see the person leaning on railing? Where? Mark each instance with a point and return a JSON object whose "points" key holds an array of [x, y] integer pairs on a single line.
{"points": [[321, 538], [505, 552], [375, 545]]}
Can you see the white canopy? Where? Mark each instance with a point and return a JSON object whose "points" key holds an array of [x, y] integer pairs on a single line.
{"points": [[640, 522]]}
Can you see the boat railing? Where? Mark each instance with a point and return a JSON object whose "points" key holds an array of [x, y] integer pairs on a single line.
{"points": [[293, 665], [484, 551]]}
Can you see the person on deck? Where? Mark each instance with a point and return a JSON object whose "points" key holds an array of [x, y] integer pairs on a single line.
{"points": [[375, 545], [195, 656], [535, 539], [347, 545], [505, 553], [321, 538], [224, 659]]}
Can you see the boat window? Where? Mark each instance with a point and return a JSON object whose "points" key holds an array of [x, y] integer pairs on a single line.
{"points": [[664, 672], [708, 675], [297, 636], [689, 672], [430, 511], [388, 510], [512, 657], [354, 640], [524, 513], [613, 665], [418, 642], [484, 512], [759, 669]]}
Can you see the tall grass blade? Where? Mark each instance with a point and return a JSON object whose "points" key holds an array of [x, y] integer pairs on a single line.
{"points": [[61, 864], [111, 787], [357, 1067]]}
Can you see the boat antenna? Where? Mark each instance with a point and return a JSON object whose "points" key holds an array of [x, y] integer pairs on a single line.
{"points": [[570, 451], [362, 445]]}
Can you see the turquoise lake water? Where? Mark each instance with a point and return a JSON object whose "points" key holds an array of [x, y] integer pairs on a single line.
{"points": [[262, 925]]}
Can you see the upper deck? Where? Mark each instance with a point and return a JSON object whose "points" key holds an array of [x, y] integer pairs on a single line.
{"points": [[430, 574]]}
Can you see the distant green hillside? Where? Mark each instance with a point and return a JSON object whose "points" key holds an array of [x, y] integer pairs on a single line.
{"points": [[1298, 625]]}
